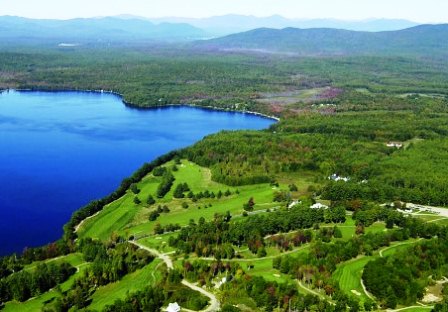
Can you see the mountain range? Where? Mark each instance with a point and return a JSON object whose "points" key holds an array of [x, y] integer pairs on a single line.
{"points": [[107, 29], [228, 24], [427, 40]]}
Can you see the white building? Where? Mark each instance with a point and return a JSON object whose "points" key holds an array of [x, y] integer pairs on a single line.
{"points": [[173, 307], [335, 177], [318, 206], [395, 144]]}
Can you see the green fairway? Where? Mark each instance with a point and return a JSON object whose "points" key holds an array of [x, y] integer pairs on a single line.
{"points": [[349, 275], [126, 218], [133, 282]]}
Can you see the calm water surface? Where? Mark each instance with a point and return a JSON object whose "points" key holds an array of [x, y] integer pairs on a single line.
{"points": [[58, 151]]}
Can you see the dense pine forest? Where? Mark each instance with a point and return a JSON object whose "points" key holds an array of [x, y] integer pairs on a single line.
{"points": [[316, 213]]}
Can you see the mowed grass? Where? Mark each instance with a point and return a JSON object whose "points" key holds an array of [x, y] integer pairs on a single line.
{"points": [[349, 275], [264, 268], [133, 282], [126, 218], [159, 242]]}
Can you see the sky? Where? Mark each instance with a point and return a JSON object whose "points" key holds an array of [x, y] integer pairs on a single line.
{"points": [[422, 11]]}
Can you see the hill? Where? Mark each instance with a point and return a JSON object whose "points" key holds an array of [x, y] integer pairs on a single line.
{"points": [[421, 40], [233, 23], [107, 29]]}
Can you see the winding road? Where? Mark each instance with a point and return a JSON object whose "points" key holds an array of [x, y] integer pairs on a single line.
{"points": [[214, 303]]}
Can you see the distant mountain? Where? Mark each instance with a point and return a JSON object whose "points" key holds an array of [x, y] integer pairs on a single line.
{"points": [[228, 24], [422, 40], [107, 29]]}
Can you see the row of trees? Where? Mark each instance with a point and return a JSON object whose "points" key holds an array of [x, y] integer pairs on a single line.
{"points": [[202, 238]]}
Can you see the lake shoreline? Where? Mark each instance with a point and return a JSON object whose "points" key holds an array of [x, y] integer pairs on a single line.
{"points": [[144, 110], [137, 106]]}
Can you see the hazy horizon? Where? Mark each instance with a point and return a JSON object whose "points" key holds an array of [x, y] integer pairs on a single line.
{"points": [[428, 11]]}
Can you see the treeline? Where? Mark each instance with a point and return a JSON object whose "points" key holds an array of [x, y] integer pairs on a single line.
{"points": [[202, 238], [26, 284], [348, 144], [165, 185], [402, 277], [14, 263]]}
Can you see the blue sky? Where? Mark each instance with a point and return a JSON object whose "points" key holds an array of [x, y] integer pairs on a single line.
{"points": [[424, 11]]}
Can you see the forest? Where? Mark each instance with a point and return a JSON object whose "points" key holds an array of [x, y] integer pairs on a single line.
{"points": [[359, 136]]}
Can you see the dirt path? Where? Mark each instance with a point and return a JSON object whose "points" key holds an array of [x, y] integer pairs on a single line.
{"points": [[394, 246], [254, 259], [314, 293], [411, 307], [84, 220], [165, 258], [365, 290], [214, 303]]}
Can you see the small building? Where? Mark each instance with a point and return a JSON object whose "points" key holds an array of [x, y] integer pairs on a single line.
{"points": [[173, 307], [335, 177], [395, 144], [319, 206]]}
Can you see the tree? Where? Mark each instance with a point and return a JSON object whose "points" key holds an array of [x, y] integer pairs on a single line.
{"points": [[179, 191], [134, 188], [158, 229], [137, 200], [150, 201], [249, 206]]}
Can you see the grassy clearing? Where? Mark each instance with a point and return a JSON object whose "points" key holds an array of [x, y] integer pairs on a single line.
{"points": [[159, 242], [264, 268], [138, 280]]}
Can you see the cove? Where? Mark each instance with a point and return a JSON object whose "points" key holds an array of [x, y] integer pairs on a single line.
{"points": [[60, 150]]}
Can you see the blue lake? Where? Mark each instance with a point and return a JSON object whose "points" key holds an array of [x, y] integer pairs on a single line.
{"points": [[58, 151]]}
